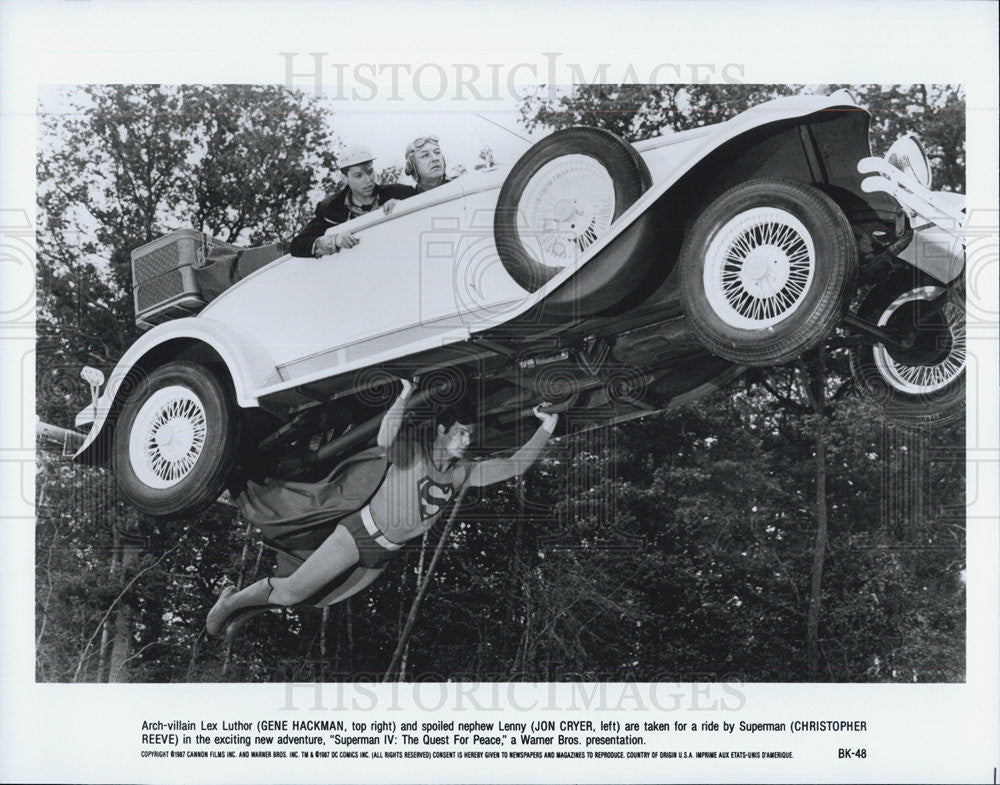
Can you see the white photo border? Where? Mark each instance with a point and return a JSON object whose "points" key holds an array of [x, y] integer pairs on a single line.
{"points": [[919, 733]]}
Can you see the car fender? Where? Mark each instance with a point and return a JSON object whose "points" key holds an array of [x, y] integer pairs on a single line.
{"points": [[696, 145], [938, 218], [249, 365], [669, 158], [938, 246]]}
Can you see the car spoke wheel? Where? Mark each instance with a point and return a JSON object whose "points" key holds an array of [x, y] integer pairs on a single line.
{"points": [[175, 440], [766, 271], [759, 268], [561, 197], [168, 437], [922, 379], [924, 384]]}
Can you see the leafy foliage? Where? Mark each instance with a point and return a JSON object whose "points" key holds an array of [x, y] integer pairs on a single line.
{"points": [[637, 112], [120, 165], [675, 547]]}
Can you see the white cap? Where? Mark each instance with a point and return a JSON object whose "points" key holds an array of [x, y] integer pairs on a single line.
{"points": [[353, 155]]}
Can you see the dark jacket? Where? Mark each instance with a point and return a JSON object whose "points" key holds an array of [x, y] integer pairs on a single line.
{"points": [[333, 210]]}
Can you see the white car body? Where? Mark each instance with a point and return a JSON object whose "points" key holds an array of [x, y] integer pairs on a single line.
{"points": [[426, 276]]}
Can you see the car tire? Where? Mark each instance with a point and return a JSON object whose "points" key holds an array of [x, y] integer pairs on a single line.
{"points": [[562, 196], [175, 441], [766, 271], [925, 386]]}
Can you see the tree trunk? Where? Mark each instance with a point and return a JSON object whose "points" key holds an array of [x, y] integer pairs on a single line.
{"points": [[416, 590], [325, 621], [815, 381], [121, 645], [819, 555], [247, 534], [425, 583], [518, 591], [348, 613], [102, 660]]}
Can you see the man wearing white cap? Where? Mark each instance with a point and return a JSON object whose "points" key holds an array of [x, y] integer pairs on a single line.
{"points": [[360, 195]]}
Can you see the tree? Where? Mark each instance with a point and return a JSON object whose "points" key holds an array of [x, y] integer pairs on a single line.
{"points": [[119, 165], [936, 112], [639, 111], [679, 546]]}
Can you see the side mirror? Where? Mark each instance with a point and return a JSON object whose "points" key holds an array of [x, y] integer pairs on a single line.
{"points": [[907, 155]]}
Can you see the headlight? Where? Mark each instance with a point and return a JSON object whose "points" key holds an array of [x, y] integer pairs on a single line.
{"points": [[92, 376], [907, 155]]}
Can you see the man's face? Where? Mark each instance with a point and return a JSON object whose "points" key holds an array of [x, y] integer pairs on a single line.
{"points": [[456, 439], [361, 180], [429, 162]]}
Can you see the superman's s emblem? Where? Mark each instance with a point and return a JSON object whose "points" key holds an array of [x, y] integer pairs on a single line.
{"points": [[433, 496]]}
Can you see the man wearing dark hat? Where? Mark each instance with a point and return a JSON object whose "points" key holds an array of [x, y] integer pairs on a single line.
{"points": [[360, 195]]}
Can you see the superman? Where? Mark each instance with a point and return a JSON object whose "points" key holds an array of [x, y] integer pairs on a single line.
{"points": [[423, 475]]}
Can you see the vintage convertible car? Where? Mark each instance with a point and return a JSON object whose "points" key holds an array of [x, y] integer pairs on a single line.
{"points": [[611, 279]]}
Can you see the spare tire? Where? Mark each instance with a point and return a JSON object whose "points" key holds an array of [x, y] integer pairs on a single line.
{"points": [[561, 197]]}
